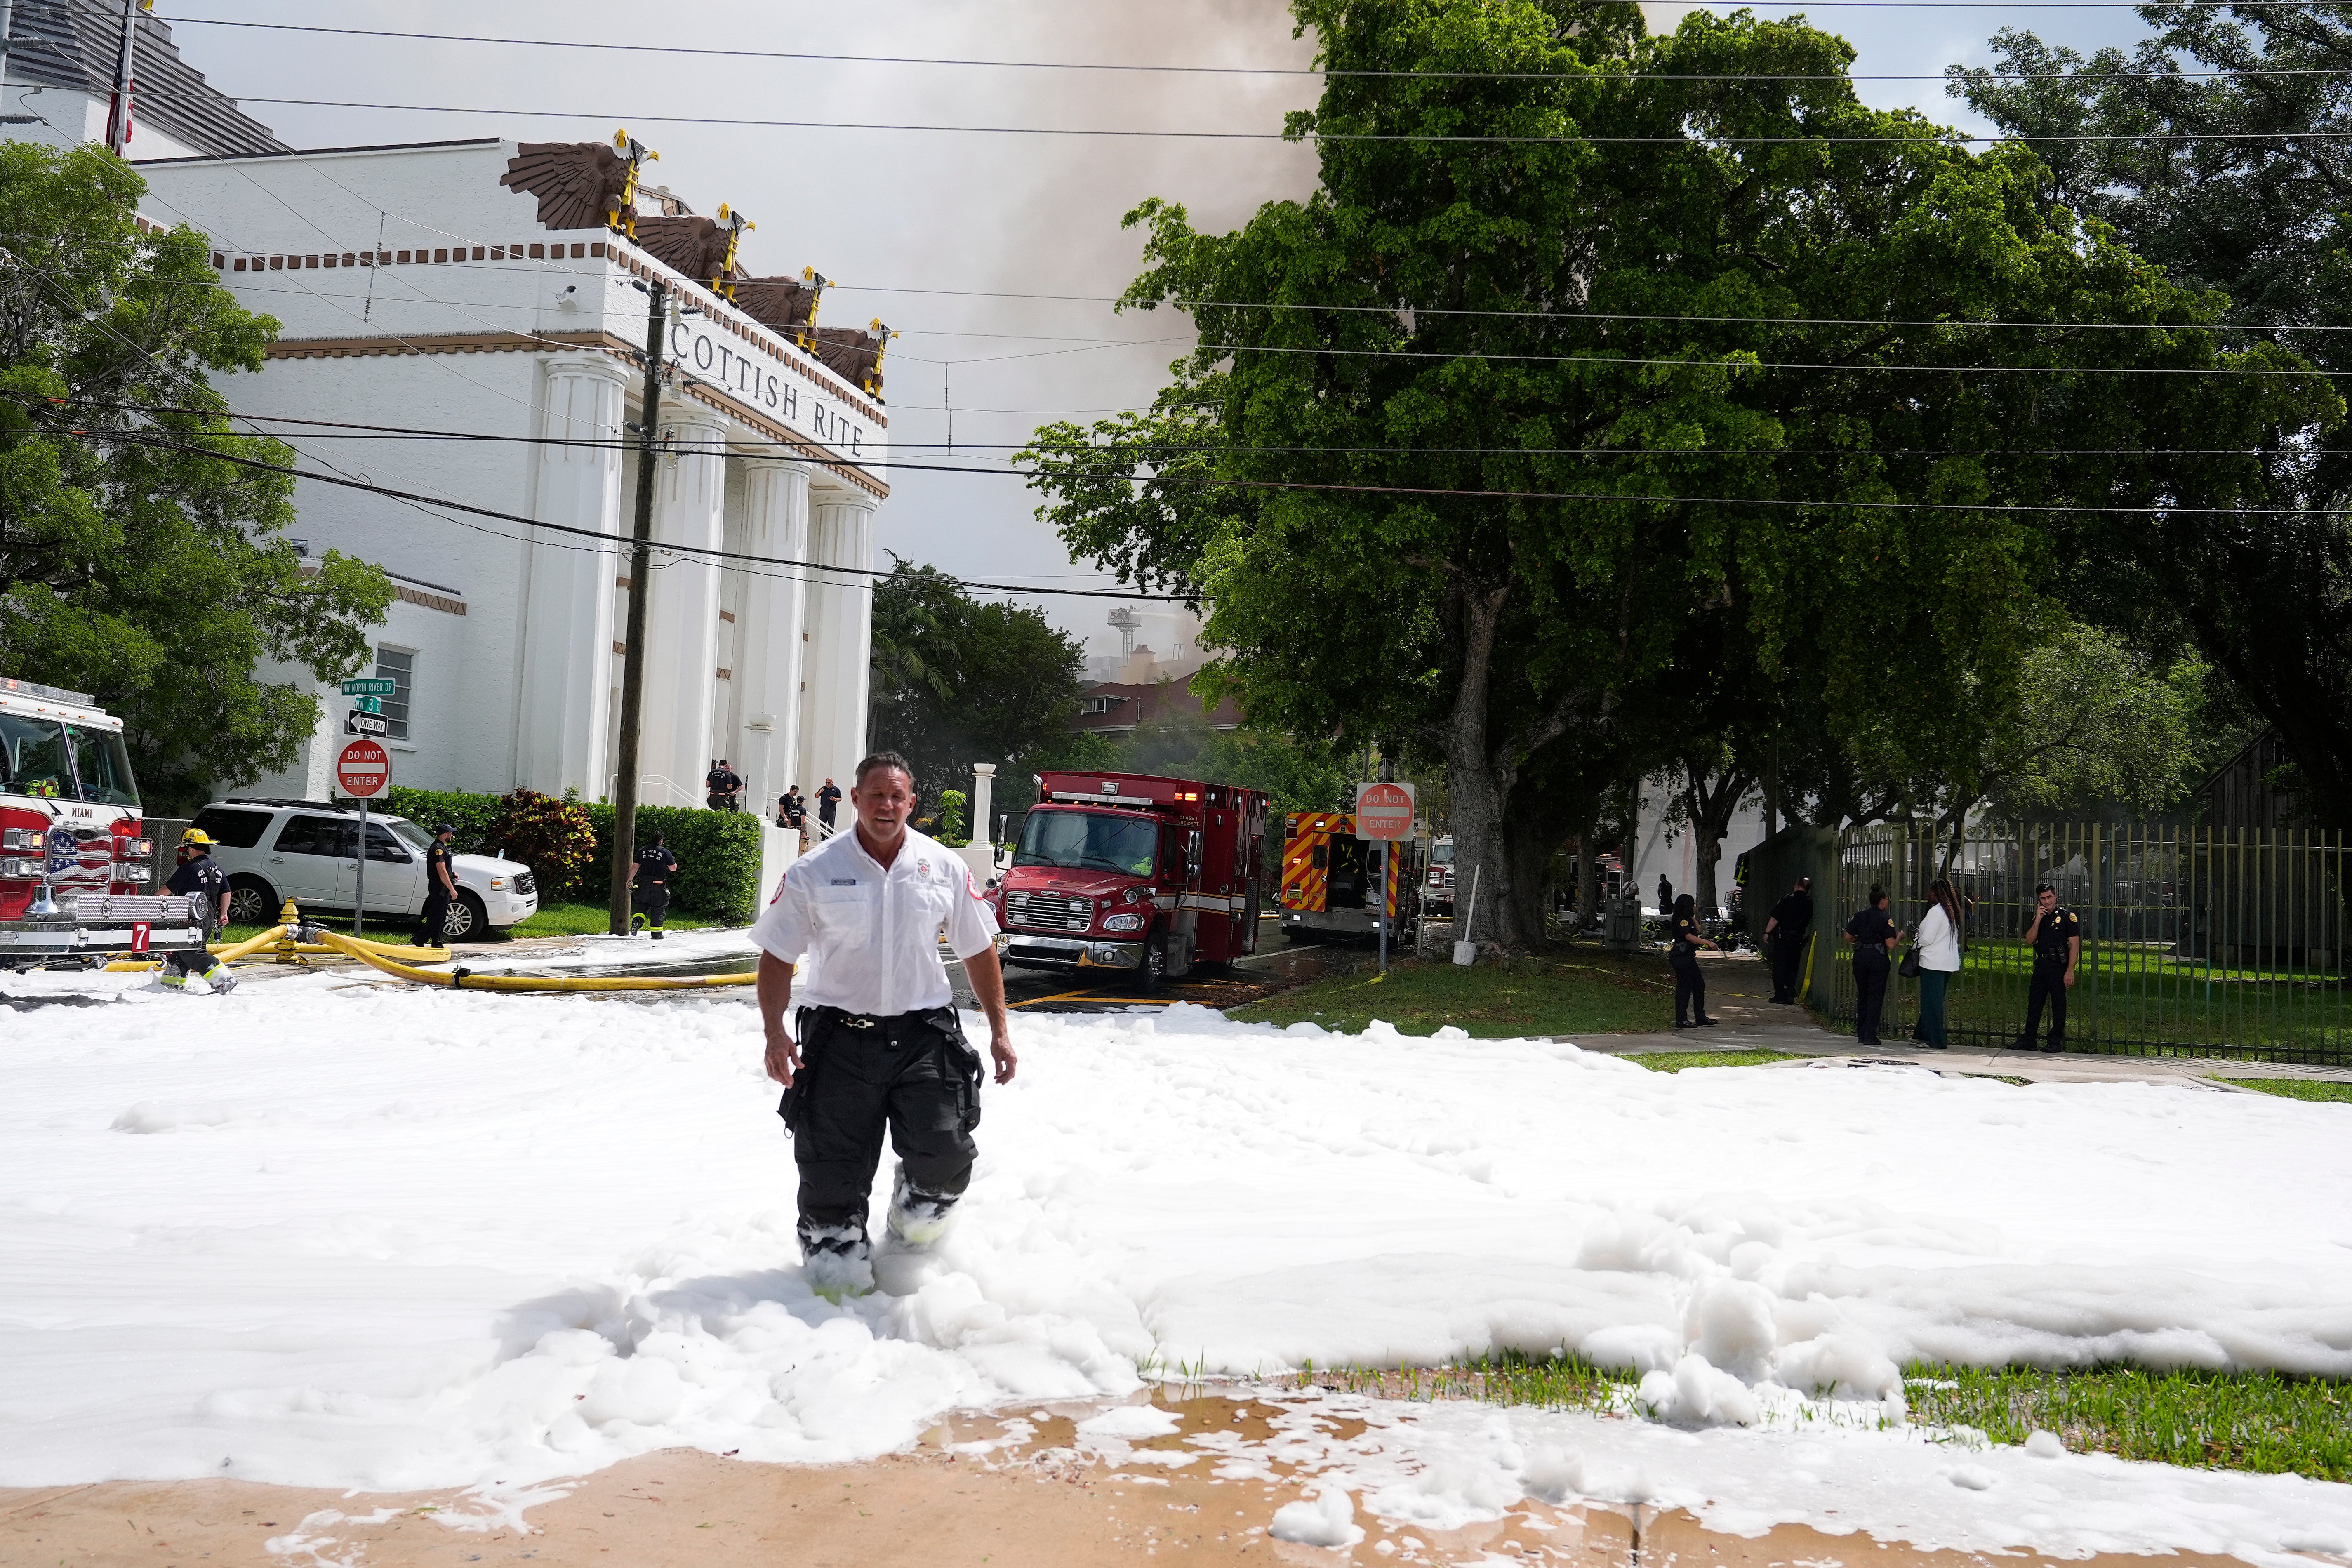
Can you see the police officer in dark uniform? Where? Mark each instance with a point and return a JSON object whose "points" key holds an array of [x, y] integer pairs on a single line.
{"points": [[440, 889], [196, 874], [722, 788], [1690, 985], [1873, 934], [2057, 938], [826, 799], [1785, 928], [656, 872]]}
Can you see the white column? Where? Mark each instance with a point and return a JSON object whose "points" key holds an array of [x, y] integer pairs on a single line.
{"points": [[563, 710], [682, 610], [769, 628], [841, 638], [980, 853]]}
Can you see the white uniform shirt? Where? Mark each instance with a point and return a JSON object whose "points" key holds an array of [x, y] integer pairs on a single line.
{"points": [[872, 934]]}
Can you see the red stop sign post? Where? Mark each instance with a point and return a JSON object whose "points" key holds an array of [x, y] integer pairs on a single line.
{"points": [[363, 772], [1383, 815]]}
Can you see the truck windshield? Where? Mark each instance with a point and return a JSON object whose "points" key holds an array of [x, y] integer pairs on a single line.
{"points": [[33, 757], [1442, 852], [1095, 840], [104, 765]]}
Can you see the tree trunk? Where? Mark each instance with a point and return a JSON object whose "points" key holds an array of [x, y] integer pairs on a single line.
{"points": [[1480, 783], [1588, 874]]}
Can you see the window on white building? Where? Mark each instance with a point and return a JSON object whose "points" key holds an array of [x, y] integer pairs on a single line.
{"points": [[397, 665]]}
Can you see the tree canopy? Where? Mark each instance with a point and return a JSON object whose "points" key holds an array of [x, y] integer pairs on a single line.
{"points": [[1569, 382], [135, 565]]}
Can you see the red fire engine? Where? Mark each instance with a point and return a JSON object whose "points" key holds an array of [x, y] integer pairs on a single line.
{"points": [[1128, 871], [72, 862]]}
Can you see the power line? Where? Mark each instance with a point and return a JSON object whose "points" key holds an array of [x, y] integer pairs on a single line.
{"points": [[1424, 491], [1599, 72], [1928, 137]]}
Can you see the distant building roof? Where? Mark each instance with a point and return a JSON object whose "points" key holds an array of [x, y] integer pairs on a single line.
{"points": [[1115, 707], [72, 44]]}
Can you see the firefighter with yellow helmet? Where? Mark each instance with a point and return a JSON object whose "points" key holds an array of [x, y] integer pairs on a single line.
{"points": [[197, 873]]}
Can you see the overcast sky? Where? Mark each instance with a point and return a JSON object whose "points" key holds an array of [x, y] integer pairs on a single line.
{"points": [[932, 233]]}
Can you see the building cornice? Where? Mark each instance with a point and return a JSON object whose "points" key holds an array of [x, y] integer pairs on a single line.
{"points": [[376, 346]]}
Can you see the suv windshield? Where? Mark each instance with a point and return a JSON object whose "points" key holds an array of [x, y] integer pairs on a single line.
{"points": [[104, 765], [1094, 841]]}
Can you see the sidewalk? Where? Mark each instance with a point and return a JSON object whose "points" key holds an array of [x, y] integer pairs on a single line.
{"points": [[1739, 991]]}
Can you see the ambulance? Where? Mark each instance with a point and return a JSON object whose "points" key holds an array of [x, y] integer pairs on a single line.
{"points": [[1327, 877], [1133, 875], [74, 863]]}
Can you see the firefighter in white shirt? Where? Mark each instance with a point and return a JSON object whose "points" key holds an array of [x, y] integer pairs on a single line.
{"points": [[876, 1041]]}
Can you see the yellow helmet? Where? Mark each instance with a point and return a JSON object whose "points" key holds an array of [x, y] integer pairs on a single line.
{"points": [[196, 836]]}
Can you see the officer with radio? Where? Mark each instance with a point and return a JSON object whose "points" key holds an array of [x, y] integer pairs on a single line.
{"points": [[2057, 938]]}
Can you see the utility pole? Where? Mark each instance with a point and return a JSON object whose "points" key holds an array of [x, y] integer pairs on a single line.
{"points": [[632, 645], [118, 119]]}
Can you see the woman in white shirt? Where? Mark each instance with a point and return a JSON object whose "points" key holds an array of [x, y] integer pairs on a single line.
{"points": [[1938, 945]]}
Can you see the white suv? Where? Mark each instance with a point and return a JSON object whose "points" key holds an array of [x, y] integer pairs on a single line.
{"points": [[308, 850]]}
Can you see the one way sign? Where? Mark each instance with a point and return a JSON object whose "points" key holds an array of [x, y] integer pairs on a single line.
{"points": [[356, 722]]}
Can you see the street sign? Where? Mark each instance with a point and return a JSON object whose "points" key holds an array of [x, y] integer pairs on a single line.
{"points": [[1384, 811], [363, 722], [364, 770], [368, 704], [370, 686]]}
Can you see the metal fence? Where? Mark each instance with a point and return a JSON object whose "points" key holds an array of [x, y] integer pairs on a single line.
{"points": [[2209, 941]]}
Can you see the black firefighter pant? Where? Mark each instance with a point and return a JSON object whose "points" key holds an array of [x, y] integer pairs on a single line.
{"points": [[430, 918], [1690, 986], [1788, 964], [653, 902], [912, 1072], [1870, 970], [2049, 984]]}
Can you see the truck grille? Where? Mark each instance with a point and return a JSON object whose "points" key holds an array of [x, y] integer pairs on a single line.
{"points": [[130, 907], [526, 883], [1049, 912]]}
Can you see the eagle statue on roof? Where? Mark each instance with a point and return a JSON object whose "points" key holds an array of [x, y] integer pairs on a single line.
{"points": [[786, 304], [696, 246], [854, 354], [580, 184]]}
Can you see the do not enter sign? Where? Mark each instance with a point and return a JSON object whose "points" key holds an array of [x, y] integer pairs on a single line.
{"points": [[1384, 811], [363, 770]]}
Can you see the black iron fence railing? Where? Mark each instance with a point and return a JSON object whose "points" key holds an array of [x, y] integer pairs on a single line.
{"points": [[2211, 941]]}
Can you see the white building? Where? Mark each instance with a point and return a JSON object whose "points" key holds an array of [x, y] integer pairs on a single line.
{"points": [[417, 291]]}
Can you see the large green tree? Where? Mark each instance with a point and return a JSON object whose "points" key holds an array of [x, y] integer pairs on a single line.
{"points": [[1634, 353], [2220, 148], [135, 565], [959, 681]]}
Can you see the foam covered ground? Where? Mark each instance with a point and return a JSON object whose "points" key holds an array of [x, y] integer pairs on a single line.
{"points": [[342, 1234]]}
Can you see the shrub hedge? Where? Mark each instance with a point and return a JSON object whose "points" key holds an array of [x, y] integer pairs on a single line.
{"points": [[718, 851]]}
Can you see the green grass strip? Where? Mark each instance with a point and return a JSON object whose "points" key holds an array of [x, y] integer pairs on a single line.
{"points": [[2205, 1420], [2260, 1421], [2296, 1088], [1678, 1061]]}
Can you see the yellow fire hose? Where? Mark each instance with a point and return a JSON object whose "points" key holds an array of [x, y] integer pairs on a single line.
{"points": [[230, 953], [466, 979]]}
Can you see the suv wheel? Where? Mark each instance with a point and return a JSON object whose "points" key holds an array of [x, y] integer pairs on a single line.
{"points": [[252, 902], [467, 919]]}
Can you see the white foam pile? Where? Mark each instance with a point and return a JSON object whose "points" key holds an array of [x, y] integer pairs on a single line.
{"points": [[337, 1234]]}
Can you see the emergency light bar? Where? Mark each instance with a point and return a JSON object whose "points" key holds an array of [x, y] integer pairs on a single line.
{"points": [[14, 688]]}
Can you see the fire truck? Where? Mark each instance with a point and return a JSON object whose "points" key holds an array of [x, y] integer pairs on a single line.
{"points": [[1327, 877], [73, 863], [1131, 872]]}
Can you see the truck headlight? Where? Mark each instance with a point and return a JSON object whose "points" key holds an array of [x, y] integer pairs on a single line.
{"points": [[499, 882], [20, 839], [13, 869], [1123, 922], [137, 848]]}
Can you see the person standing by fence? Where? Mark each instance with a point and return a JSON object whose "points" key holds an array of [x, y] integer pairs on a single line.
{"points": [[2057, 938], [1690, 985], [1938, 943], [1786, 928], [1873, 934]]}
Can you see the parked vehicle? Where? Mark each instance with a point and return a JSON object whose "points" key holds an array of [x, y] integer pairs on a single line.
{"points": [[73, 855], [1157, 876], [1437, 894], [1329, 876], [308, 850]]}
